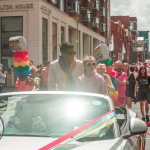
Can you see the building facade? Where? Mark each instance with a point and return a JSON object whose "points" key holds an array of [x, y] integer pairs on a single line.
{"points": [[47, 23], [145, 34], [124, 36]]}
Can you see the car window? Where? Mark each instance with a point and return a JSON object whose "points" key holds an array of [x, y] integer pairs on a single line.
{"points": [[55, 115]]}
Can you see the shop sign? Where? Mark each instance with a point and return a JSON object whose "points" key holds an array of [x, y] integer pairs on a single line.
{"points": [[7, 52], [16, 6], [44, 8]]}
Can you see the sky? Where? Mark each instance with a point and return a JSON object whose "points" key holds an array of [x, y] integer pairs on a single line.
{"points": [[133, 8]]}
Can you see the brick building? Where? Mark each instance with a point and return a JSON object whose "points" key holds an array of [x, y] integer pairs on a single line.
{"points": [[145, 34], [124, 29]]}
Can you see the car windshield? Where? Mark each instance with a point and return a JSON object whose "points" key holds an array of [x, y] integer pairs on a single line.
{"points": [[55, 115]]}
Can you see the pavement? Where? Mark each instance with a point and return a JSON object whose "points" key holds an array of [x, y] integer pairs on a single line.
{"points": [[9, 89]]}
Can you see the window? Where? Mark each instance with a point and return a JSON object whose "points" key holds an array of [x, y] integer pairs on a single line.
{"points": [[44, 40], [131, 26], [86, 15], [103, 27], [62, 34], [62, 5], [96, 4], [55, 2], [74, 6], [54, 41], [95, 22], [103, 11], [100, 6], [10, 26]]}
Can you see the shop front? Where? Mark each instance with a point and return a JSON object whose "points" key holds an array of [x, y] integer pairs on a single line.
{"points": [[10, 26]]}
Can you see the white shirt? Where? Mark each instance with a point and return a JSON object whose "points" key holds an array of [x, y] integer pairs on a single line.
{"points": [[94, 84], [2, 77], [57, 77]]}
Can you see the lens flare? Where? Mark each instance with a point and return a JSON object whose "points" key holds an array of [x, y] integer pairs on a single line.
{"points": [[75, 109]]}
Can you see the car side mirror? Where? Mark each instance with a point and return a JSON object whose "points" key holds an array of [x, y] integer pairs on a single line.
{"points": [[1, 127], [137, 126]]}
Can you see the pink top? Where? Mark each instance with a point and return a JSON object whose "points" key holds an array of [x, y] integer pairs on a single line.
{"points": [[94, 84], [121, 88]]}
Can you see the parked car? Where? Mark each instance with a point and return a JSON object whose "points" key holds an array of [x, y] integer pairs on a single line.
{"points": [[67, 120]]}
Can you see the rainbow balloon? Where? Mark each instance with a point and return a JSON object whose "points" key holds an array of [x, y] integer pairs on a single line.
{"points": [[21, 63], [18, 45]]}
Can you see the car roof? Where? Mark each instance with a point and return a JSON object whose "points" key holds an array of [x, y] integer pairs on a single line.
{"points": [[53, 92]]}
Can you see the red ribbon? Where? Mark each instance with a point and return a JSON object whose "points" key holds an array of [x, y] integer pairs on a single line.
{"points": [[148, 124]]}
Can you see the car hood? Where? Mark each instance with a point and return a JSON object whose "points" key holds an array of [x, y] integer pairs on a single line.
{"points": [[34, 143]]}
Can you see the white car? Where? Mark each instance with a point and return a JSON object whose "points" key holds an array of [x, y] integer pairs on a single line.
{"points": [[67, 120]]}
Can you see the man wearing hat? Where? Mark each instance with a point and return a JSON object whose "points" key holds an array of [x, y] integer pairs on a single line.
{"points": [[65, 71]]}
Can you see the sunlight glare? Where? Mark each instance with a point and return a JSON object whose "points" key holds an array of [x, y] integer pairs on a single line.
{"points": [[74, 109]]}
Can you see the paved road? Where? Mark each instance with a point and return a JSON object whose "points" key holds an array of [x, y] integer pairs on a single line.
{"points": [[136, 108], [9, 89]]}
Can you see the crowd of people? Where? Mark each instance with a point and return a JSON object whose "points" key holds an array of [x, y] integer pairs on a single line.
{"points": [[132, 81], [70, 74]]}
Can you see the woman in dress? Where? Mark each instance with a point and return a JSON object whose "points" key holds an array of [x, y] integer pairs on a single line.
{"points": [[130, 88], [142, 81], [125, 68], [91, 81]]}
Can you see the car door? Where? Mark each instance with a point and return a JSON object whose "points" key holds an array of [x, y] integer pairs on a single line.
{"points": [[123, 119]]}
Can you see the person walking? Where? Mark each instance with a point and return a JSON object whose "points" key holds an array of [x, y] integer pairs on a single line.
{"points": [[45, 73], [130, 88], [35, 80], [91, 81], [135, 71], [101, 69], [121, 80], [2, 78], [64, 72], [39, 74], [140, 92]]}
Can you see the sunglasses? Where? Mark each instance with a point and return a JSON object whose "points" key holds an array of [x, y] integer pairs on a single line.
{"points": [[70, 53], [90, 64], [101, 66]]}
